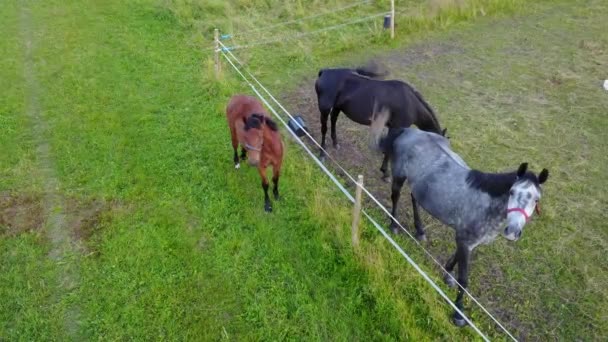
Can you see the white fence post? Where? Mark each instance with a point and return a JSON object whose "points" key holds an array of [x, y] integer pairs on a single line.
{"points": [[392, 19], [216, 40], [357, 212]]}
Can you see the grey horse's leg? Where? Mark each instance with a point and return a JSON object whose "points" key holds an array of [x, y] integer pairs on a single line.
{"points": [[420, 235], [395, 194], [449, 267], [334, 117], [384, 168], [463, 255]]}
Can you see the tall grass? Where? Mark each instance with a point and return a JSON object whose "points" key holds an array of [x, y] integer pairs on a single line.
{"points": [[245, 15], [249, 20]]}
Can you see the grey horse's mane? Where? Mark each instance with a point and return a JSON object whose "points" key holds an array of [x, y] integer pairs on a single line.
{"points": [[447, 151]]}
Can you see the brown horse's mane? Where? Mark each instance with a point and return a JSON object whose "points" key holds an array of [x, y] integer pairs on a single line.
{"points": [[256, 120]]}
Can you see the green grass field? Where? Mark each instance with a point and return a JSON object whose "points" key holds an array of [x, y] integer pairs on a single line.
{"points": [[121, 216]]}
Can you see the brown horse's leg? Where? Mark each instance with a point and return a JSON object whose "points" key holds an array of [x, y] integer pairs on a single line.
{"points": [[267, 204], [235, 146], [243, 153], [275, 180]]}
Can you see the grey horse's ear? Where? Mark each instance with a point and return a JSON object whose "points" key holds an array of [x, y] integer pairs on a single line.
{"points": [[522, 170], [542, 177]]}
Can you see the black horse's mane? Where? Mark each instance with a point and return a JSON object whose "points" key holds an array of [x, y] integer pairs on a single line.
{"points": [[496, 184], [433, 125], [256, 120]]}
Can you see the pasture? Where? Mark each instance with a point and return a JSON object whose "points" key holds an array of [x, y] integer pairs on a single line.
{"points": [[122, 217]]}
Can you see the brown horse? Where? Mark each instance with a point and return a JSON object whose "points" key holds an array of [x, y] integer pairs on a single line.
{"points": [[260, 140]]}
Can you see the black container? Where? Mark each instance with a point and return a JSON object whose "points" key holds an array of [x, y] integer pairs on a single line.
{"points": [[297, 125], [387, 21]]}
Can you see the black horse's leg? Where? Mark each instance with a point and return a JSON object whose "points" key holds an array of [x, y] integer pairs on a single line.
{"points": [[463, 276], [324, 117], [334, 117], [420, 235], [384, 168], [243, 153], [395, 194]]}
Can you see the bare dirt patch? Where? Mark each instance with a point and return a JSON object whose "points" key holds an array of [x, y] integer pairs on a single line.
{"points": [[20, 213], [23, 213], [86, 217]]}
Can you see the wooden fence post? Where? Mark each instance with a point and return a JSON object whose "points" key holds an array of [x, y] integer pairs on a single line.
{"points": [[357, 212], [392, 19], [216, 40]]}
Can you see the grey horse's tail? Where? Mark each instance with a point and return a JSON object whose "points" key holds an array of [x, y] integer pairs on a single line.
{"points": [[380, 117]]}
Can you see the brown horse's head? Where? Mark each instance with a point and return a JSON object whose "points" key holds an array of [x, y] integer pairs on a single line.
{"points": [[254, 138]]}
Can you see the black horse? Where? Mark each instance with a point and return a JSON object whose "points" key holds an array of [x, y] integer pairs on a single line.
{"points": [[358, 93]]}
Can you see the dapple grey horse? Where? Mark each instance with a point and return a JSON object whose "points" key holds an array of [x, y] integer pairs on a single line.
{"points": [[478, 205]]}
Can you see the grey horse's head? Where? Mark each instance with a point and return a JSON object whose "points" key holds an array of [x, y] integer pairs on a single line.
{"points": [[523, 200]]}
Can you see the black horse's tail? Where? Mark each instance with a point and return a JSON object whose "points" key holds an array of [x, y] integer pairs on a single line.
{"points": [[372, 70], [370, 73]]}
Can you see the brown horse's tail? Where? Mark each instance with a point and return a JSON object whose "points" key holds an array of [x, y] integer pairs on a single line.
{"points": [[380, 117]]}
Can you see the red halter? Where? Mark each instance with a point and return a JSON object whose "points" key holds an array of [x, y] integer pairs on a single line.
{"points": [[523, 212]]}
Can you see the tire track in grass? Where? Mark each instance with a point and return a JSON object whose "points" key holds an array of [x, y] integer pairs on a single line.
{"points": [[64, 249]]}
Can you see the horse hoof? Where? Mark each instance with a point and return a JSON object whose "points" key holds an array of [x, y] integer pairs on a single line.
{"points": [[322, 158], [277, 197], [421, 237], [459, 322], [386, 179], [267, 208], [395, 230], [237, 166], [337, 146], [449, 280]]}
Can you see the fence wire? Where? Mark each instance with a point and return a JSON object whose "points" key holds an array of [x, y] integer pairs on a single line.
{"points": [[371, 196]]}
